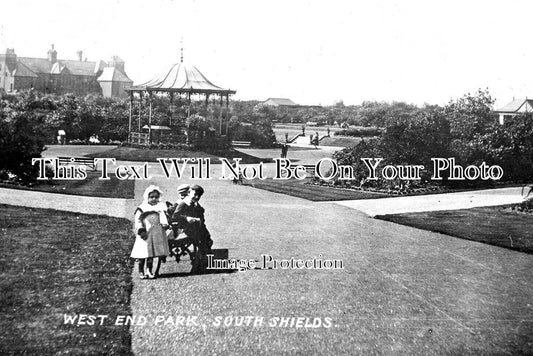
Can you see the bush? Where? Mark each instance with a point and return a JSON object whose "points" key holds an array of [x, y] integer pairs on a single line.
{"points": [[511, 147], [20, 141], [352, 157], [407, 140], [258, 130], [416, 138], [359, 132]]}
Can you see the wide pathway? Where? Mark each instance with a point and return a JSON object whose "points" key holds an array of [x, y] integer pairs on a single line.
{"points": [[401, 291], [436, 202], [80, 204]]}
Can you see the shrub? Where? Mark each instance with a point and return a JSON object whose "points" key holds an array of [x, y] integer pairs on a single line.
{"points": [[20, 141], [359, 132], [510, 146], [411, 139], [259, 132]]}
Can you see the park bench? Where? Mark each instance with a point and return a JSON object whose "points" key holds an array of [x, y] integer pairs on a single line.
{"points": [[87, 161], [241, 143]]}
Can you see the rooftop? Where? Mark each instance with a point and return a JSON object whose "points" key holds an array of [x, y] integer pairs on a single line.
{"points": [[182, 77], [279, 102], [515, 105]]}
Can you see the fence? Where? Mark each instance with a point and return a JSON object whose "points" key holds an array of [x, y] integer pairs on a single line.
{"points": [[139, 138]]}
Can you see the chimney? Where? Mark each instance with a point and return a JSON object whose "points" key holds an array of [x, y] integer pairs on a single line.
{"points": [[11, 59], [80, 55], [52, 55], [118, 63]]}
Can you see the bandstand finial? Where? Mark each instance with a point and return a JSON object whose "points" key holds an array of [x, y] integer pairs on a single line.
{"points": [[181, 42]]}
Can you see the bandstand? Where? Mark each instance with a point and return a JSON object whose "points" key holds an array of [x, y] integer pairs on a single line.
{"points": [[180, 82]]}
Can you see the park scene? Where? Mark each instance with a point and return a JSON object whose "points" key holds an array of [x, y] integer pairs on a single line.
{"points": [[172, 213]]}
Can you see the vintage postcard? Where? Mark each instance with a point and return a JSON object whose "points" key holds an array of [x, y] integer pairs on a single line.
{"points": [[282, 178]]}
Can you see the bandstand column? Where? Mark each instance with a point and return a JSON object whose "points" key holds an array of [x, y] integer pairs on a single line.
{"points": [[189, 108], [150, 118], [171, 107], [140, 109], [227, 107], [220, 115], [131, 112], [207, 105]]}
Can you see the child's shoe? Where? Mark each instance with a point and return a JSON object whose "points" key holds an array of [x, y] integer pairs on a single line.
{"points": [[142, 276], [149, 275]]}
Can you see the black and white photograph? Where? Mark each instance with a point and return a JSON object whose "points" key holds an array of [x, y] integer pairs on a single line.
{"points": [[273, 178]]}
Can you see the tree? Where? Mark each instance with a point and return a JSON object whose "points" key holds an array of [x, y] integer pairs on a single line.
{"points": [[511, 147], [254, 128], [115, 121], [352, 157], [470, 115], [416, 137], [20, 141]]}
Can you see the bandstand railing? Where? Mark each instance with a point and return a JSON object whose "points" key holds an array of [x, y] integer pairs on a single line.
{"points": [[139, 138]]}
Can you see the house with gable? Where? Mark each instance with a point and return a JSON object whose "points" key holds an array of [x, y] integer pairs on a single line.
{"points": [[514, 108], [60, 76], [279, 102]]}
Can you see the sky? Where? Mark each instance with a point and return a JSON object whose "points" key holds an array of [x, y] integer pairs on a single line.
{"points": [[313, 52]]}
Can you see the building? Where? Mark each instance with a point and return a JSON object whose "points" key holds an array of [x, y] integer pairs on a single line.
{"points": [[286, 104], [59, 76], [281, 105], [277, 102], [514, 108], [113, 79], [182, 81]]}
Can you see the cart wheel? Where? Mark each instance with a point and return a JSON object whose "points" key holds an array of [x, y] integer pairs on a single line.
{"points": [[195, 262], [199, 261]]}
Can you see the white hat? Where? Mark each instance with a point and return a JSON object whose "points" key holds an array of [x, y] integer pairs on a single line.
{"points": [[184, 188]]}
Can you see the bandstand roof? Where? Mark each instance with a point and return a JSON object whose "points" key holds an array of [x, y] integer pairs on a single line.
{"points": [[181, 78], [156, 127]]}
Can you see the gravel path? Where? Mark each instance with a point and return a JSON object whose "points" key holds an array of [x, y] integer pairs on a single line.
{"points": [[402, 290], [80, 204], [436, 202]]}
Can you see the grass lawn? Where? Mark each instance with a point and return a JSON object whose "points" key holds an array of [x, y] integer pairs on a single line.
{"points": [[91, 186], [54, 263], [298, 188], [498, 226], [151, 155], [340, 141]]}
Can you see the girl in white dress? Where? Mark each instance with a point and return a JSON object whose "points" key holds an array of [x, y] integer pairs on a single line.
{"points": [[150, 237]]}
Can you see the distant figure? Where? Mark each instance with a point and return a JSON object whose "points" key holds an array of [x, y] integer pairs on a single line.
{"points": [[303, 130], [61, 137], [239, 178], [286, 137], [94, 140], [314, 139], [284, 150], [328, 131]]}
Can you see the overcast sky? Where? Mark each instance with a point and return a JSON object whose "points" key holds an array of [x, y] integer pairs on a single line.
{"points": [[313, 52]]}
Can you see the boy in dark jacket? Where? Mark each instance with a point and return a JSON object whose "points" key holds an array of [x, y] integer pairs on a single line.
{"points": [[189, 215]]}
